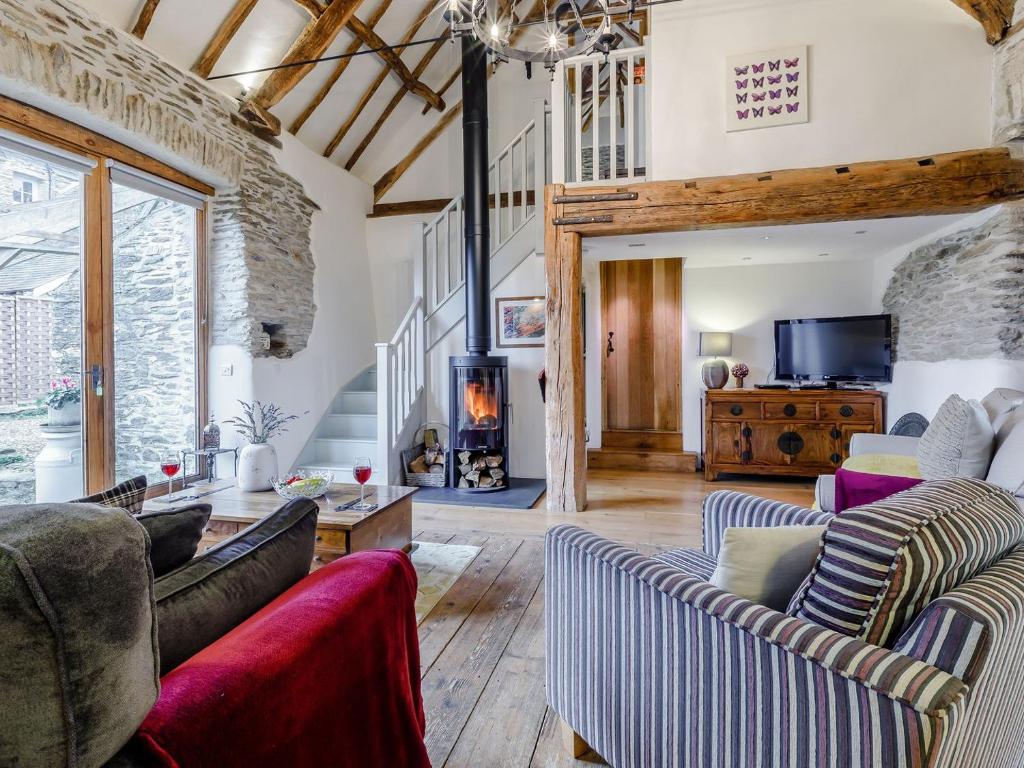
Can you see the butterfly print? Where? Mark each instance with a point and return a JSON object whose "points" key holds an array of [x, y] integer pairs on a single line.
{"points": [[775, 94], [741, 84], [758, 111], [790, 63], [743, 115], [775, 110], [773, 66], [758, 68], [741, 70], [758, 82], [792, 77], [774, 79], [741, 98], [760, 96], [792, 92], [791, 108]]}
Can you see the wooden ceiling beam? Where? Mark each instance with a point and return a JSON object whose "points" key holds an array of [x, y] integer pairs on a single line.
{"points": [[953, 183], [312, 7], [145, 18], [391, 105], [447, 84], [995, 16], [368, 94], [438, 204], [390, 177], [394, 61], [338, 70], [225, 32], [310, 45]]}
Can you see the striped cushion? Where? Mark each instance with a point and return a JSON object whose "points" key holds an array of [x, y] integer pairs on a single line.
{"points": [[882, 563], [129, 495], [692, 561]]}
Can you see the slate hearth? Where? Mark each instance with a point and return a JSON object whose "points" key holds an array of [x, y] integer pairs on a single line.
{"points": [[521, 493]]}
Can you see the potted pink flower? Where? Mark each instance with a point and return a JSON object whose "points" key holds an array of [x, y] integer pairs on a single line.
{"points": [[64, 403], [740, 371]]}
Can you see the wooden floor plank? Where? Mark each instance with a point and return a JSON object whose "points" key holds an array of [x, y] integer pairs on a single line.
{"points": [[453, 685], [461, 600], [550, 751], [503, 727]]}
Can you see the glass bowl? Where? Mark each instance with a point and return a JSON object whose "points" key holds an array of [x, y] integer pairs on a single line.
{"points": [[303, 484]]}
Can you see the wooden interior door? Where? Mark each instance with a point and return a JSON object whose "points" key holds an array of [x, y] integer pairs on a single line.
{"points": [[641, 311]]}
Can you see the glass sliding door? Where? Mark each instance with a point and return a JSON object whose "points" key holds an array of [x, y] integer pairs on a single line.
{"points": [[155, 313], [42, 289]]}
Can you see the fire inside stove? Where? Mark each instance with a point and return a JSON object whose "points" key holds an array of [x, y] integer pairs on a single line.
{"points": [[481, 406]]}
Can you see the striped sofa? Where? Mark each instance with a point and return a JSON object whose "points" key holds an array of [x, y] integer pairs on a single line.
{"points": [[653, 667]]}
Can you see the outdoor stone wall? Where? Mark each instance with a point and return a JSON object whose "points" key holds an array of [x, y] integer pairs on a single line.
{"points": [[56, 56], [962, 296]]}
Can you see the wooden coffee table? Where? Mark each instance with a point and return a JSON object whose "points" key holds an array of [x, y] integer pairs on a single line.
{"points": [[389, 526]]}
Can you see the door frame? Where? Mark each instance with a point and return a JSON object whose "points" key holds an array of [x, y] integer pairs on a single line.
{"points": [[97, 278]]}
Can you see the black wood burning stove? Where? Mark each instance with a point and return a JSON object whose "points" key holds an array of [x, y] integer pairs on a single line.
{"points": [[478, 383], [478, 404]]}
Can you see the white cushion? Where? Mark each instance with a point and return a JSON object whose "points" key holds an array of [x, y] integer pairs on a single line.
{"points": [[958, 441], [1000, 402], [767, 565], [1007, 469]]}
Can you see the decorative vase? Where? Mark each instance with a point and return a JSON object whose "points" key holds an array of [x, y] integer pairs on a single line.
{"points": [[715, 374], [739, 382], [257, 464], [67, 415]]}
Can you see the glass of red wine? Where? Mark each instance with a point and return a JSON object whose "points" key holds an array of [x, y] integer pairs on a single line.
{"points": [[170, 464], [361, 471]]}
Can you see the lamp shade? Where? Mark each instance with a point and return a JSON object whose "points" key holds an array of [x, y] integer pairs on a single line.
{"points": [[715, 344]]}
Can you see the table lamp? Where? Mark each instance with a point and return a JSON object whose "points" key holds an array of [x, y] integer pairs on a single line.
{"points": [[715, 373]]}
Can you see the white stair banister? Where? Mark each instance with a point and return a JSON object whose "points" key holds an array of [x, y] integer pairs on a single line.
{"points": [[400, 378]]}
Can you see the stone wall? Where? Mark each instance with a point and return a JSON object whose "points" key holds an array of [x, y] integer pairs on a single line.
{"points": [[962, 296], [56, 56]]}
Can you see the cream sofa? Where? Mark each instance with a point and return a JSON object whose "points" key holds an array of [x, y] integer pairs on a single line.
{"points": [[1005, 409]]}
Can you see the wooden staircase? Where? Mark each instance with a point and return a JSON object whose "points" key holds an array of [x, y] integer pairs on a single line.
{"points": [[642, 450]]}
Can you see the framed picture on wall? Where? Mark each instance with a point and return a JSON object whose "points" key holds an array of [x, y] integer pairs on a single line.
{"points": [[519, 321]]}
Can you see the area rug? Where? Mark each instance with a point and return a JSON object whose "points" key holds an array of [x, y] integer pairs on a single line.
{"points": [[522, 493], [438, 567]]}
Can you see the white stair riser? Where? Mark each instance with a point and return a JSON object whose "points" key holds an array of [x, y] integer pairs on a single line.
{"points": [[358, 402], [349, 425], [343, 452]]}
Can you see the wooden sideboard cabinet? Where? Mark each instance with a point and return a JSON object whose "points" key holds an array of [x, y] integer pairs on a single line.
{"points": [[802, 433]]}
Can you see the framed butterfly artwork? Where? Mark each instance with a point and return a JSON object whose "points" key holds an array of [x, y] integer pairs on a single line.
{"points": [[767, 89]]}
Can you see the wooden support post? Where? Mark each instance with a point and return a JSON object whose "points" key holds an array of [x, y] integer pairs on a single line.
{"points": [[565, 434]]}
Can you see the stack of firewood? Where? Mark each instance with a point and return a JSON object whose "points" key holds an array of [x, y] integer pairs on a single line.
{"points": [[480, 470], [431, 460]]}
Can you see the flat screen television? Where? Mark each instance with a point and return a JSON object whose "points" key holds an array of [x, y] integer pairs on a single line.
{"points": [[834, 349]]}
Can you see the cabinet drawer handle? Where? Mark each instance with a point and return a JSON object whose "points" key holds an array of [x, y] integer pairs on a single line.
{"points": [[746, 456], [835, 434], [736, 410], [846, 411], [835, 458], [319, 538], [747, 432], [789, 410]]}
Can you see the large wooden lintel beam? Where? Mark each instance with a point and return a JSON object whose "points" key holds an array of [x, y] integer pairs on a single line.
{"points": [[565, 406], [958, 182], [438, 204], [995, 16], [310, 45]]}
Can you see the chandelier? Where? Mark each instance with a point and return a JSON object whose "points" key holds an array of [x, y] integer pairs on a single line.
{"points": [[557, 34]]}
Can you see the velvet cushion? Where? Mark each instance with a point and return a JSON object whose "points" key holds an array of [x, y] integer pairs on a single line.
{"points": [[855, 489], [129, 496], [881, 564], [78, 637], [207, 597], [958, 441], [174, 535]]}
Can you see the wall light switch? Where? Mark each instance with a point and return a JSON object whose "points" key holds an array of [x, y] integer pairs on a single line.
{"points": [[227, 370]]}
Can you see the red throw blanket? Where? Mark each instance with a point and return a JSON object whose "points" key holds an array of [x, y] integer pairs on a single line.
{"points": [[855, 489], [328, 674]]}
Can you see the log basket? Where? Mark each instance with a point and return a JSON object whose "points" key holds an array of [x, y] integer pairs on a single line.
{"points": [[426, 479]]}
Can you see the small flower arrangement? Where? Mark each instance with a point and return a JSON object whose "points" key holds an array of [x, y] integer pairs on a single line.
{"points": [[740, 371], [258, 422], [63, 391]]}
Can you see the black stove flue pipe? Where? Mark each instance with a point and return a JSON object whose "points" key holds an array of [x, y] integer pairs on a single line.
{"points": [[476, 214]]}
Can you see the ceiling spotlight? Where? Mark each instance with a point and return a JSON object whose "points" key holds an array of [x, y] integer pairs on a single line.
{"points": [[861, 232], [745, 258], [767, 237]]}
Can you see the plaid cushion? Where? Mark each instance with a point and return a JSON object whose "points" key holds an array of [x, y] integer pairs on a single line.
{"points": [[882, 563], [129, 495]]}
